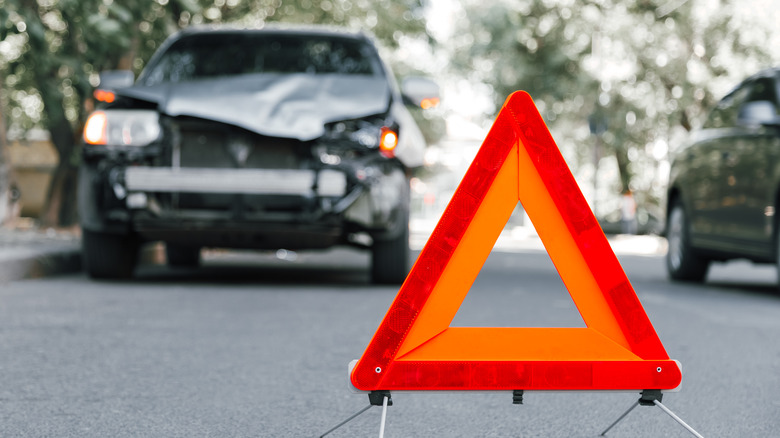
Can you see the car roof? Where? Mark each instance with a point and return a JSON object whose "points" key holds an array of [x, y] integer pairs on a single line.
{"points": [[766, 73], [769, 72], [274, 29]]}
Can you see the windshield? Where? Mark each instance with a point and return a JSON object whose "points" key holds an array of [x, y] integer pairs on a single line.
{"points": [[207, 56]]}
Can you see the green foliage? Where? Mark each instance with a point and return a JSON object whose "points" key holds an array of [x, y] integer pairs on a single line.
{"points": [[59, 46], [649, 70]]}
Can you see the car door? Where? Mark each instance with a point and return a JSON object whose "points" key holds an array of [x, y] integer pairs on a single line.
{"points": [[748, 161], [706, 183]]}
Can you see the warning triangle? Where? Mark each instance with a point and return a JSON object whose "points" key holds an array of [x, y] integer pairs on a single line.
{"points": [[415, 348]]}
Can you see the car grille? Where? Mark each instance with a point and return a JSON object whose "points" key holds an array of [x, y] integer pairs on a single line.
{"points": [[204, 144]]}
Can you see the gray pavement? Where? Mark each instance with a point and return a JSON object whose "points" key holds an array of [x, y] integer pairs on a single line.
{"points": [[254, 345], [29, 252]]}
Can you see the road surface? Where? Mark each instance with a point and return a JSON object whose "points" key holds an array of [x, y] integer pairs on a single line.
{"points": [[257, 345]]}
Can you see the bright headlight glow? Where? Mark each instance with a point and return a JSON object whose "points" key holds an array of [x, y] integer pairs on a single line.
{"points": [[372, 133], [122, 128], [104, 96], [388, 140], [95, 128]]}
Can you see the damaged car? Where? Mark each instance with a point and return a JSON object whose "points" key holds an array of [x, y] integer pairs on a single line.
{"points": [[257, 139]]}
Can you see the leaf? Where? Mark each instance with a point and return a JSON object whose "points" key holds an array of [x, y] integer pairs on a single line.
{"points": [[106, 27], [122, 13], [36, 32], [190, 6], [5, 27]]}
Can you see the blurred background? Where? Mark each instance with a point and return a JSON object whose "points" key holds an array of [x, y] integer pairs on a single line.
{"points": [[619, 83]]}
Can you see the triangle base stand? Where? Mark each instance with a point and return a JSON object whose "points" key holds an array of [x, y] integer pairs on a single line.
{"points": [[652, 397], [375, 398], [649, 397]]}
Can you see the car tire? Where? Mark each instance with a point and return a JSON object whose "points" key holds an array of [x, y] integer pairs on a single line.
{"points": [[777, 250], [682, 263], [182, 256], [390, 258], [109, 256]]}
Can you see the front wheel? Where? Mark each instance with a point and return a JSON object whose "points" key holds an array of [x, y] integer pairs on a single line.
{"points": [[777, 250], [182, 256], [109, 256], [682, 263], [390, 258]]}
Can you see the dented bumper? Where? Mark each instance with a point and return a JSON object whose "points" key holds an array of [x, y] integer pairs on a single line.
{"points": [[329, 183]]}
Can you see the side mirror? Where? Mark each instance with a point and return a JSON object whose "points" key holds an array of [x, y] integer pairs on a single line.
{"points": [[113, 79], [420, 92], [759, 112], [110, 81]]}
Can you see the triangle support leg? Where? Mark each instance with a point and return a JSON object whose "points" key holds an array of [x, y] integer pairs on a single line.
{"points": [[385, 399], [619, 419], [375, 398], [355, 415], [653, 397], [677, 419]]}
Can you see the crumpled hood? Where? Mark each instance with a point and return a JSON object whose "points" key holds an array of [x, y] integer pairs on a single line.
{"points": [[290, 105]]}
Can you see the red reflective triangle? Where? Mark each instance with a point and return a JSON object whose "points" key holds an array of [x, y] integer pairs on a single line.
{"points": [[415, 348]]}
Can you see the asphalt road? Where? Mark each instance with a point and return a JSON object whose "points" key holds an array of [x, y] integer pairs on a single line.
{"points": [[258, 346]]}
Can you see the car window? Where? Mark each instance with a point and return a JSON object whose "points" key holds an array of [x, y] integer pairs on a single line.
{"points": [[217, 55], [764, 90], [725, 113]]}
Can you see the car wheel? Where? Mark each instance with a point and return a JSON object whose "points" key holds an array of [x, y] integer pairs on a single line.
{"points": [[777, 249], [109, 256], [182, 256], [390, 258], [682, 263]]}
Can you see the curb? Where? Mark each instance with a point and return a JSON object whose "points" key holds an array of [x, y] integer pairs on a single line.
{"points": [[524, 238], [26, 263]]}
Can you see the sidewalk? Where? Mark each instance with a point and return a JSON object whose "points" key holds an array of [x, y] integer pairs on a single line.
{"points": [[28, 252], [524, 238]]}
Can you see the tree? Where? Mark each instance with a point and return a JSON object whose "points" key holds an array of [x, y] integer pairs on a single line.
{"points": [[644, 71], [53, 53], [6, 175]]}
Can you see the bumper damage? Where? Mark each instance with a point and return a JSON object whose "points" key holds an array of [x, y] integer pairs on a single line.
{"points": [[326, 183], [250, 208]]}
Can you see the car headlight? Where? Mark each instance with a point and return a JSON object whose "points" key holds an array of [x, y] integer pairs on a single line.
{"points": [[369, 134], [122, 128], [388, 140], [355, 132]]}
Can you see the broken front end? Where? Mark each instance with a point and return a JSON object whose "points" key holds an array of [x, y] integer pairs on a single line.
{"points": [[196, 183]]}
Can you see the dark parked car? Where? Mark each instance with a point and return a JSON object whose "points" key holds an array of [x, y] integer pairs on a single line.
{"points": [[724, 191], [260, 139]]}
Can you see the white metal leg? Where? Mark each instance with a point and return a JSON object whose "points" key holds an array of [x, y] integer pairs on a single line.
{"points": [[384, 416]]}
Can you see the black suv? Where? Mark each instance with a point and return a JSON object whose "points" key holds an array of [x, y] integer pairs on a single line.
{"points": [[261, 139], [724, 190]]}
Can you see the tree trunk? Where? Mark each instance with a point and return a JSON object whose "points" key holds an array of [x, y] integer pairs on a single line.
{"points": [[621, 155], [59, 209], [60, 206], [9, 208]]}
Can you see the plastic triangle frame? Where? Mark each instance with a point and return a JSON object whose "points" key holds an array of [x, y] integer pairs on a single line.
{"points": [[415, 348]]}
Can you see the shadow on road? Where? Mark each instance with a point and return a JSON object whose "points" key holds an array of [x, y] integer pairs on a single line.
{"points": [[768, 290], [252, 274], [339, 267], [744, 277]]}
